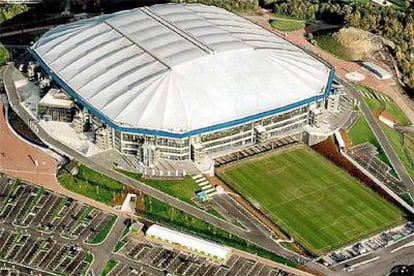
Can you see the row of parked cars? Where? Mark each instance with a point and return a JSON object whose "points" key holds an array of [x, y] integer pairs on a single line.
{"points": [[374, 243]]}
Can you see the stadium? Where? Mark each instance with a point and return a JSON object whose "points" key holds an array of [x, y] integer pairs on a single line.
{"points": [[182, 82]]}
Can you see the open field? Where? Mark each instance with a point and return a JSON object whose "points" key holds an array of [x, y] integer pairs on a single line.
{"points": [[183, 189], [320, 205], [92, 184], [378, 103], [287, 25], [329, 43]]}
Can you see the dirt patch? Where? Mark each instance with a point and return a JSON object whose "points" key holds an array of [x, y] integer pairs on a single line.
{"points": [[361, 44], [388, 116], [140, 204], [346, 138], [376, 113]]}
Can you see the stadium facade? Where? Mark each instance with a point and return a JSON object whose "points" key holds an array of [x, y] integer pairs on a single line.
{"points": [[182, 81]]}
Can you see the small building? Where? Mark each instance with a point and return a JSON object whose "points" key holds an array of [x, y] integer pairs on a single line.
{"points": [[333, 102], [129, 203], [378, 71], [103, 138], [56, 105], [387, 121], [340, 140], [202, 196], [315, 116], [202, 247]]}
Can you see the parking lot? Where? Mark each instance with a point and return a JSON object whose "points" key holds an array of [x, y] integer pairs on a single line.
{"points": [[154, 259], [371, 244], [367, 156], [29, 206], [40, 254], [42, 232]]}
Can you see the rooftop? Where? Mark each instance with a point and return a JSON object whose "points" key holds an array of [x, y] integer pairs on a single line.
{"points": [[189, 241], [56, 98], [178, 67]]}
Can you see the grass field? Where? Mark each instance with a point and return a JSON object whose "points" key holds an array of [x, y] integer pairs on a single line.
{"points": [[183, 189], [103, 234], [379, 103], [3, 54], [285, 25], [361, 133], [109, 266], [329, 43], [320, 205], [91, 184]]}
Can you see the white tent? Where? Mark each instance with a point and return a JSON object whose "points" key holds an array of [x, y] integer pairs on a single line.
{"points": [[192, 243]]}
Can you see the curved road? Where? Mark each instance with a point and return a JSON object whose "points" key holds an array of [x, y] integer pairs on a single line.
{"points": [[382, 139]]}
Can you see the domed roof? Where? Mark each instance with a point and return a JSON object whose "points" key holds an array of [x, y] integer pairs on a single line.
{"points": [[179, 67]]}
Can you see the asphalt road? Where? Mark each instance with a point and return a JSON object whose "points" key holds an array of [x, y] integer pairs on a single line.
{"points": [[103, 252], [386, 260], [382, 139]]}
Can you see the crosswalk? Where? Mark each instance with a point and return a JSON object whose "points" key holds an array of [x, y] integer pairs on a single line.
{"points": [[375, 96]]}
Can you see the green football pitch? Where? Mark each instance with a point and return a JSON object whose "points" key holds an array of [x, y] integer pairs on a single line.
{"points": [[312, 199]]}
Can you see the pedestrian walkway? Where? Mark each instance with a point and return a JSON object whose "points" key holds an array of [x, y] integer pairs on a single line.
{"points": [[205, 186]]}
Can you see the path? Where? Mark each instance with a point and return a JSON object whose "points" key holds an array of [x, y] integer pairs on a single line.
{"points": [[388, 87], [106, 248], [382, 139], [387, 258], [17, 157]]}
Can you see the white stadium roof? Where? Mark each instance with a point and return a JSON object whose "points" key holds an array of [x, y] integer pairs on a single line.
{"points": [[177, 68]]}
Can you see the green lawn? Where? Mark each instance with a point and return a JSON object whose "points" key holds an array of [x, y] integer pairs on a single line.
{"points": [[287, 25], [3, 54], [183, 189], [91, 184], [404, 153], [109, 266], [320, 205], [89, 258], [407, 198], [169, 216], [361, 133], [101, 236], [379, 103], [329, 43]]}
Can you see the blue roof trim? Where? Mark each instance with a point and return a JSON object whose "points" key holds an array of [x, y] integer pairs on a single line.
{"points": [[152, 132]]}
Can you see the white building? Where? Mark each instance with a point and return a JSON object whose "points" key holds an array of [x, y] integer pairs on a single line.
{"points": [[56, 105], [188, 79], [191, 243], [377, 70]]}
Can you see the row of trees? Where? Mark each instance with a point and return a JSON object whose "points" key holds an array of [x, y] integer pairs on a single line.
{"points": [[395, 24], [9, 11], [230, 5]]}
